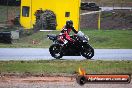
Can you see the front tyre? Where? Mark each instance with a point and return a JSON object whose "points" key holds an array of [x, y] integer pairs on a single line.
{"points": [[87, 51], [55, 51]]}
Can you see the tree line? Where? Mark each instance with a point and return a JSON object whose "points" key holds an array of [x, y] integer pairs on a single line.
{"points": [[10, 2]]}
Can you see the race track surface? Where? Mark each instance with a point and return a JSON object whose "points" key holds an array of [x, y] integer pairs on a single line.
{"points": [[43, 54]]}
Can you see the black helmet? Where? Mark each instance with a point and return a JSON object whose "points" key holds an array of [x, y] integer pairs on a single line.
{"points": [[69, 23]]}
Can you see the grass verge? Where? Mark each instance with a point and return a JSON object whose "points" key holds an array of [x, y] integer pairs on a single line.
{"points": [[68, 67], [98, 39]]}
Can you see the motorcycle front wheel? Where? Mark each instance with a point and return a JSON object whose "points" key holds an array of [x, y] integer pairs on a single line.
{"points": [[87, 51], [55, 51]]}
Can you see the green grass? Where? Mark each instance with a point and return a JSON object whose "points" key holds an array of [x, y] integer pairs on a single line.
{"points": [[26, 42], [67, 67], [110, 38], [105, 15], [98, 39]]}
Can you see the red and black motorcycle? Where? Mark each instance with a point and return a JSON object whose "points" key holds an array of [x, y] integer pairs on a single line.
{"points": [[79, 47]]}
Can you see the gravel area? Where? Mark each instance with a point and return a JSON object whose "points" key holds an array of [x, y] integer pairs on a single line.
{"points": [[52, 82], [115, 19]]}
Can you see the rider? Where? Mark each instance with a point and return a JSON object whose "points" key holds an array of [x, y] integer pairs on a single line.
{"points": [[66, 31]]}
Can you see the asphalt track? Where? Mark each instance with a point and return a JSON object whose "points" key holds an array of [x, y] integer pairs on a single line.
{"points": [[114, 8], [43, 54], [106, 9]]}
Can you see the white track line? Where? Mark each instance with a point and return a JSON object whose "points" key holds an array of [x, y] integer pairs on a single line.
{"points": [[93, 12]]}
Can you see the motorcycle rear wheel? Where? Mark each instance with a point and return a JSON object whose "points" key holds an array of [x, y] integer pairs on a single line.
{"points": [[87, 51], [55, 51]]}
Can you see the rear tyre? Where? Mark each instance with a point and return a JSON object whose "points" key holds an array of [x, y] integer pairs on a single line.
{"points": [[55, 51], [87, 51]]}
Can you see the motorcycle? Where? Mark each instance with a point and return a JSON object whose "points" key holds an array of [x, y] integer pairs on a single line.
{"points": [[80, 46]]}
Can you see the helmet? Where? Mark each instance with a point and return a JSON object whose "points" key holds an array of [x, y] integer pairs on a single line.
{"points": [[69, 23]]}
